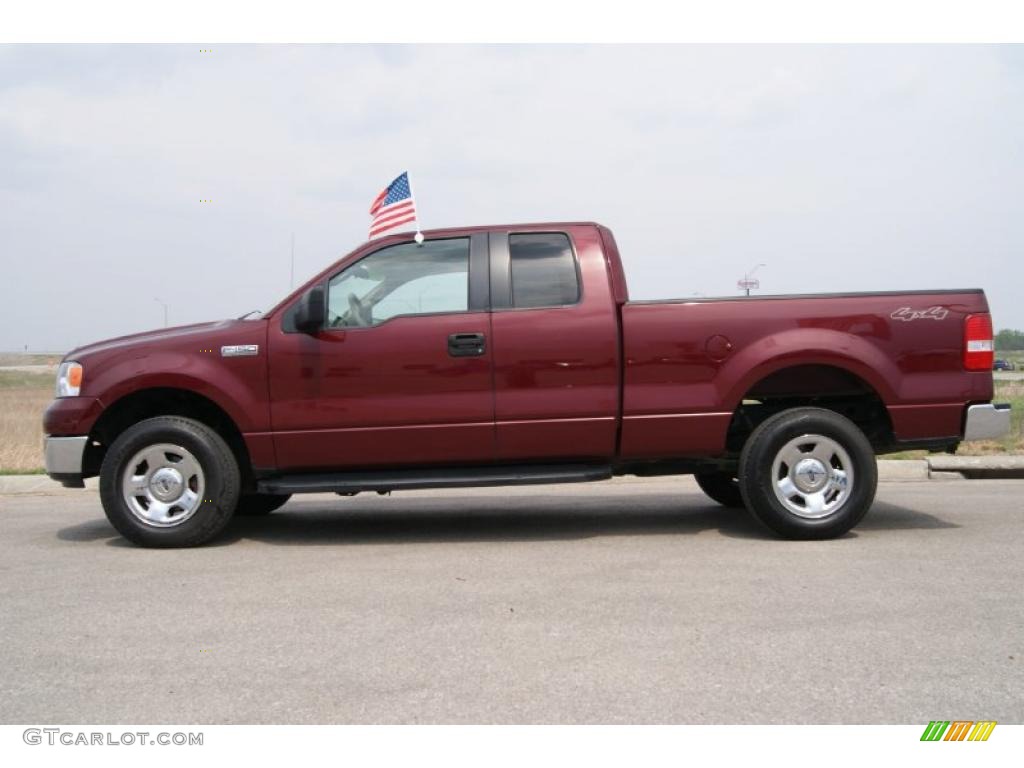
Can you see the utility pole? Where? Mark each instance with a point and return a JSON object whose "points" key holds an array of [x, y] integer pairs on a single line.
{"points": [[165, 309]]}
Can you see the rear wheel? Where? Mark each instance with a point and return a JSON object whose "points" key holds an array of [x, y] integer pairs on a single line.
{"points": [[169, 482], [722, 487], [808, 473], [257, 504]]}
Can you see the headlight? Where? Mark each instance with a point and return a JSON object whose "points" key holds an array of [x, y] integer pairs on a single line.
{"points": [[69, 379]]}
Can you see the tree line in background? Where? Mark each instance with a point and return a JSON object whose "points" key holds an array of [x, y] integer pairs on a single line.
{"points": [[1009, 340]]}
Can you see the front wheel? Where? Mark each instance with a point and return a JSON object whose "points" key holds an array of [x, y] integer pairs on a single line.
{"points": [[808, 473], [169, 482]]}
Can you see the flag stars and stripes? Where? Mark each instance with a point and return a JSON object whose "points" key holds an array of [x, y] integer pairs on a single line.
{"points": [[393, 207]]}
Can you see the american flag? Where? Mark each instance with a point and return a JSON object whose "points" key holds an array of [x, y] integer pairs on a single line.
{"points": [[393, 207]]}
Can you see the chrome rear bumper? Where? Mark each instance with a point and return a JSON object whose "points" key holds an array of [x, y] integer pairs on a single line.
{"points": [[987, 422]]}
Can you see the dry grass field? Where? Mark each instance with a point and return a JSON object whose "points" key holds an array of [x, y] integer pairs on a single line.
{"points": [[25, 395], [23, 398], [18, 358]]}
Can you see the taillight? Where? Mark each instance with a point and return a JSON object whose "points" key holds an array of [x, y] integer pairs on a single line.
{"points": [[979, 349]]}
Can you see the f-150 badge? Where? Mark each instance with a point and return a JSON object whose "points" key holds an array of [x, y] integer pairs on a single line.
{"points": [[907, 314], [240, 350]]}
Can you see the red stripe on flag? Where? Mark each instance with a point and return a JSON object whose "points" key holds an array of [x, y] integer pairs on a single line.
{"points": [[377, 225], [390, 215], [378, 201], [391, 225], [394, 208]]}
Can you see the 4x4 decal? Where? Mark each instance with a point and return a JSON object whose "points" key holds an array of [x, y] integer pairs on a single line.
{"points": [[907, 314]]}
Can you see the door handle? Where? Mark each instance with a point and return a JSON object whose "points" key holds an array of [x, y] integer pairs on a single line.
{"points": [[466, 344]]}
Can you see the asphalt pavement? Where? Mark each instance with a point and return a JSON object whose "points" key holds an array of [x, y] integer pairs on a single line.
{"points": [[630, 601]]}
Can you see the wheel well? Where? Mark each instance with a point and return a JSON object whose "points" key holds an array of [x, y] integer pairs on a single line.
{"points": [[821, 386], [148, 403]]}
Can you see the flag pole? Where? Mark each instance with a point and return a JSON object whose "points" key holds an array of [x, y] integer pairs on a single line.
{"points": [[418, 237]]}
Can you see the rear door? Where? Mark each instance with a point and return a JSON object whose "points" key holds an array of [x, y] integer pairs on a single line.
{"points": [[554, 327]]}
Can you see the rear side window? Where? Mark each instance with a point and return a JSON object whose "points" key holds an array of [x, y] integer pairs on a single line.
{"points": [[543, 270]]}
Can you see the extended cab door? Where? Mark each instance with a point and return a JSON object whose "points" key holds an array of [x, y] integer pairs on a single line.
{"points": [[555, 332], [401, 374]]}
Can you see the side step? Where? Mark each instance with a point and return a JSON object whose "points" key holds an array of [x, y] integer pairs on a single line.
{"points": [[411, 479]]}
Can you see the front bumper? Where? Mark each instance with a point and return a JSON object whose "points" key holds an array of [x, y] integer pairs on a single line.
{"points": [[987, 422], [64, 456]]}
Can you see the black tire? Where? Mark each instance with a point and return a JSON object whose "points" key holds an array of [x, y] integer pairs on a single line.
{"points": [[808, 513], [722, 487], [258, 504], [218, 472]]}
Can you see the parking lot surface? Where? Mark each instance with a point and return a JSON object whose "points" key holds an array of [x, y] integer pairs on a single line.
{"points": [[620, 602]]}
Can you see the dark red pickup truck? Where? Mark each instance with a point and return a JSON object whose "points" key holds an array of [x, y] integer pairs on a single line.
{"points": [[511, 355]]}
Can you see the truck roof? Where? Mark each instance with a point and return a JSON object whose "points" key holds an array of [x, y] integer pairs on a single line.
{"points": [[491, 227]]}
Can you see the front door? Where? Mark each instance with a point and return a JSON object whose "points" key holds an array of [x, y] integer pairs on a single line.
{"points": [[401, 373]]}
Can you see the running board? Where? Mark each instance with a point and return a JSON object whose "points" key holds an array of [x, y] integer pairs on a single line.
{"points": [[412, 479]]}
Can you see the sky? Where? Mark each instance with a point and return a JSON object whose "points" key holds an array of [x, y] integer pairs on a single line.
{"points": [[840, 168]]}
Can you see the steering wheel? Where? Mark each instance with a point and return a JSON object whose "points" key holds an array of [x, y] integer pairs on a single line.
{"points": [[357, 312]]}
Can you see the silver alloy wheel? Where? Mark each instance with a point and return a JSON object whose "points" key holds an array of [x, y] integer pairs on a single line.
{"points": [[812, 476], [163, 485]]}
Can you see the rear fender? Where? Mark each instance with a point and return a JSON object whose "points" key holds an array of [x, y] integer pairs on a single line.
{"points": [[806, 346]]}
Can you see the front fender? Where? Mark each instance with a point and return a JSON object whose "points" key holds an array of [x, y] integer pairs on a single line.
{"points": [[237, 385]]}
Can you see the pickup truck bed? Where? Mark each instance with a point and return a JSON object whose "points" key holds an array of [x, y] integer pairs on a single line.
{"points": [[777, 349]]}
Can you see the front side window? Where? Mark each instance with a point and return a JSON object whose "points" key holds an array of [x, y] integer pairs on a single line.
{"points": [[543, 270], [406, 279]]}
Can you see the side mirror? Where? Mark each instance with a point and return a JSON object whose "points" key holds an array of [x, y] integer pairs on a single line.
{"points": [[309, 312]]}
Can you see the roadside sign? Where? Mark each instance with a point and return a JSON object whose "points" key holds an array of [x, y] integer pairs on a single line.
{"points": [[748, 283]]}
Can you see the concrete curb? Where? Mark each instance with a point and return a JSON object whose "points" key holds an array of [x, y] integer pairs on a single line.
{"points": [[944, 467], [902, 469], [977, 467], [40, 485]]}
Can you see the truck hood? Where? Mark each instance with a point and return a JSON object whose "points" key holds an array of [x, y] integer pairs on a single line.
{"points": [[150, 339]]}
